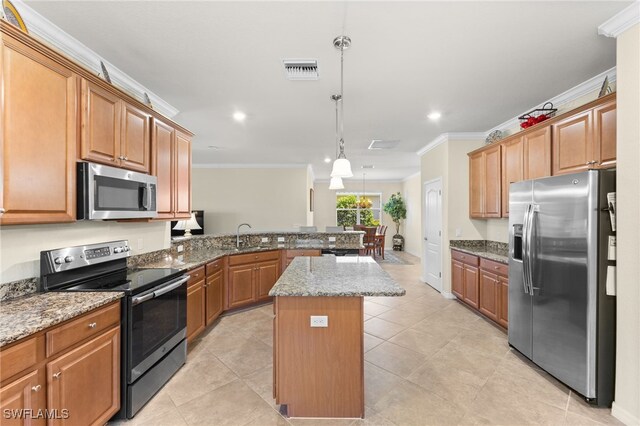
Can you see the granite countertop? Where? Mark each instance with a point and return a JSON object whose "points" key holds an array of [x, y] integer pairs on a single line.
{"points": [[24, 316], [491, 250], [335, 276], [195, 258]]}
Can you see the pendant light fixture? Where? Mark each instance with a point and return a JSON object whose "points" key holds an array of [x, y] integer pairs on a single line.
{"points": [[342, 166], [336, 181]]}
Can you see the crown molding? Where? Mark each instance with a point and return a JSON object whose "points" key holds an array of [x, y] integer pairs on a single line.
{"points": [[248, 166], [310, 171], [453, 136], [621, 21], [411, 176], [47, 31]]}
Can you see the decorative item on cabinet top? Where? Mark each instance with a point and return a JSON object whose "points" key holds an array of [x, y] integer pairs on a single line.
{"points": [[537, 115], [494, 136], [11, 14]]}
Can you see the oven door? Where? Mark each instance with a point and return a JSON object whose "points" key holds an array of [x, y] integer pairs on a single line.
{"points": [[157, 323], [111, 193]]}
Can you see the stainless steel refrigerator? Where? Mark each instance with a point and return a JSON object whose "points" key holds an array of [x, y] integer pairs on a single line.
{"points": [[560, 316]]}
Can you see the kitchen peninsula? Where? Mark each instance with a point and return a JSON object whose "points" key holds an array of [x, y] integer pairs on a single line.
{"points": [[318, 365]]}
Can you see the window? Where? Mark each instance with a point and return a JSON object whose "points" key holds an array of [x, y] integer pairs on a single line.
{"points": [[358, 208]]}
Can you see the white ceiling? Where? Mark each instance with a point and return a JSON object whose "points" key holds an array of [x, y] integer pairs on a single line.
{"points": [[479, 63]]}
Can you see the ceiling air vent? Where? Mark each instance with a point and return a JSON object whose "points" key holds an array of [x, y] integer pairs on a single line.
{"points": [[380, 144], [301, 69]]}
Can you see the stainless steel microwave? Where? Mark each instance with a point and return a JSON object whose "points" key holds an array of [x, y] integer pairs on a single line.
{"points": [[110, 193]]}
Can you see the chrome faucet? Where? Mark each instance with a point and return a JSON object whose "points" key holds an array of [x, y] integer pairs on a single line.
{"points": [[238, 233]]}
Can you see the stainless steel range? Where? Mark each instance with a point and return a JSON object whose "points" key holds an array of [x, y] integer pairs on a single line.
{"points": [[154, 315]]}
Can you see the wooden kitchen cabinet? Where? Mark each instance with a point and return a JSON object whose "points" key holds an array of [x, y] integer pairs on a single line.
{"points": [[251, 277], [512, 168], [241, 285], [457, 278], [604, 121], [135, 139], [503, 307], [215, 289], [485, 183], [471, 285], [464, 277], [195, 304], [86, 381], [38, 125], [171, 163], [267, 274], [28, 393], [488, 302]]}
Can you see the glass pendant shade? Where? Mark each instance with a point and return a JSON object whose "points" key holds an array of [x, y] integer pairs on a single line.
{"points": [[341, 168], [336, 183]]}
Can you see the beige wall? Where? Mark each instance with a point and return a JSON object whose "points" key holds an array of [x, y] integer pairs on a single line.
{"points": [[325, 211], [267, 199], [20, 245], [627, 404], [498, 230], [411, 192]]}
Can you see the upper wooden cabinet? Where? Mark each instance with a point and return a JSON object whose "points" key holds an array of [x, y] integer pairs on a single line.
{"points": [[38, 123], [113, 132], [485, 183], [586, 140], [171, 163]]}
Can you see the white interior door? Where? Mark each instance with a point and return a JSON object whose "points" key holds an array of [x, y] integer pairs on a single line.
{"points": [[433, 233]]}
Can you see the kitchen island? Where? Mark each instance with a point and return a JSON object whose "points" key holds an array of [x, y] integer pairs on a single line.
{"points": [[318, 363]]}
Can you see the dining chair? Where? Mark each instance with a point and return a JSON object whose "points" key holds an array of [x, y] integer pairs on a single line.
{"points": [[369, 240], [380, 237]]}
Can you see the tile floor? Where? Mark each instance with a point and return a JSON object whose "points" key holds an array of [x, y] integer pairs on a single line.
{"points": [[428, 361]]}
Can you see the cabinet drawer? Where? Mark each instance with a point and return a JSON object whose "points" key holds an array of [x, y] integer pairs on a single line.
{"points": [[82, 328], [195, 275], [240, 259], [21, 356], [469, 259], [494, 267], [295, 253], [215, 266]]}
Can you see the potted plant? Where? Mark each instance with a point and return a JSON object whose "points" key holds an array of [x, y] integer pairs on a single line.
{"points": [[397, 209]]}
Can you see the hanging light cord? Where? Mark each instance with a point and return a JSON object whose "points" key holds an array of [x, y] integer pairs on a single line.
{"points": [[341, 100]]}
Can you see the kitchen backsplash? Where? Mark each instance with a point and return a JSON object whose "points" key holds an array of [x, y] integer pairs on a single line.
{"points": [[496, 247]]}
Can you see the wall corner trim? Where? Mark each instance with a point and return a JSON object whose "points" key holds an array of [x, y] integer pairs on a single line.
{"points": [[621, 21], [623, 415], [448, 295], [47, 31]]}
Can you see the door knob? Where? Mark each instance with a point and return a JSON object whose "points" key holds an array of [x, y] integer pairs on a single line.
{"points": [[57, 375], [36, 388], [93, 325]]}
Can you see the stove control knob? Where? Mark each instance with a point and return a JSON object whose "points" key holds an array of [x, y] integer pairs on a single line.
{"points": [[127, 248], [69, 259], [58, 261], [117, 250]]}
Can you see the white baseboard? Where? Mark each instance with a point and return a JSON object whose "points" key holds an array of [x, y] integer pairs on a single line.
{"points": [[448, 295], [624, 416]]}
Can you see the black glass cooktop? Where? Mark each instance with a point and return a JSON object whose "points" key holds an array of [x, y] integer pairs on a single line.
{"points": [[131, 283]]}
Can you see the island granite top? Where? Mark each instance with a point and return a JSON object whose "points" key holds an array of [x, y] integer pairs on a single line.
{"points": [[337, 276], [26, 315]]}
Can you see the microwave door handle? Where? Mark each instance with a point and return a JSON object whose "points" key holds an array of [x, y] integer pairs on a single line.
{"points": [[146, 196], [171, 287]]}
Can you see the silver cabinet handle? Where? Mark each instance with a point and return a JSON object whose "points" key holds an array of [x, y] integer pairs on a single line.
{"points": [[125, 158], [93, 325], [36, 388], [2, 211], [112, 159], [57, 375]]}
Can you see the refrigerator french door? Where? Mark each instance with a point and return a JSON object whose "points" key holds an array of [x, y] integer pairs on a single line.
{"points": [[559, 314]]}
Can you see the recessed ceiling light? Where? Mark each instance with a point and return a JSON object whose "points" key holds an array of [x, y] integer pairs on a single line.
{"points": [[327, 160], [434, 115], [239, 116]]}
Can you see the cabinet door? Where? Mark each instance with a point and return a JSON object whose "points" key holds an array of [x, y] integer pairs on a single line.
{"points": [[266, 276], [457, 279], [604, 118], [537, 153], [572, 144], [136, 142], [488, 302], [476, 179], [86, 381], [28, 393], [101, 115], [512, 169], [240, 285], [215, 287], [503, 307], [38, 125], [183, 176], [492, 182], [471, 285], [195, 310], [162, 136]]}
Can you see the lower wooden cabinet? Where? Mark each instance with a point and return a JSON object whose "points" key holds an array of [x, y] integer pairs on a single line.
{"points": [[241, 284], [205, 296], [86, 382], [78, 385], [482, 284], [214, 295], [251, 277], [195, 306]]}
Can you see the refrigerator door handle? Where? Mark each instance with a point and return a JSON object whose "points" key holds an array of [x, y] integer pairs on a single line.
{"points": [[525, 250], [530, 267]]}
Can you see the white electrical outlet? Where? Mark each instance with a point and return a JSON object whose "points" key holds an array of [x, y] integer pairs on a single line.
{"points": [[458, 232], [180, 248], [332, 239], [281, 239], [319, 321], [265, 239]]}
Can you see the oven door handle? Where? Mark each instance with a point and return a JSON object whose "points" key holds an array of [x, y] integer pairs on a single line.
{"points": [[170, 287]]}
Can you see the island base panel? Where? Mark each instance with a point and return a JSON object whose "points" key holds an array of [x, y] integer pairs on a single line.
{"points": [[319, 372]]}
